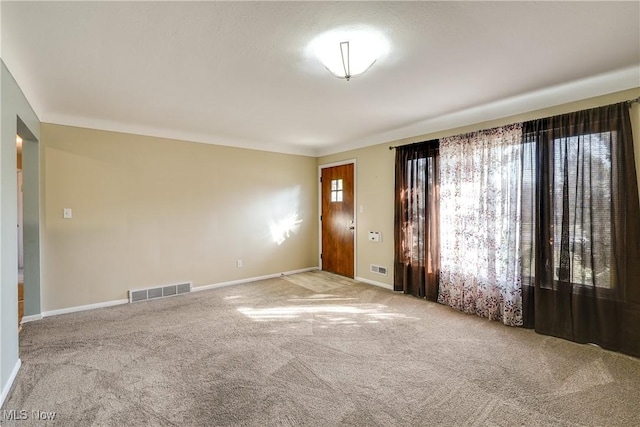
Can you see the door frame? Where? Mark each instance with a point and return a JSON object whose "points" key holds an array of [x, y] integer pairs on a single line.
{"points": [[32, 220], [20, 222], [355, 210]]}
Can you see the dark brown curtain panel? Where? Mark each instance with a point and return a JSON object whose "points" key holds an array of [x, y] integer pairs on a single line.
{"points": [[416, 266], [580, 228]]}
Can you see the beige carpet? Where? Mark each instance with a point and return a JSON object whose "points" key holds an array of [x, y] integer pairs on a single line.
{"points": [[312, 350]]}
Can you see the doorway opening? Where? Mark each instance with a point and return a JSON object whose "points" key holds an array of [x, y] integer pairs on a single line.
{"points": [[28, 224], [19, 142]]}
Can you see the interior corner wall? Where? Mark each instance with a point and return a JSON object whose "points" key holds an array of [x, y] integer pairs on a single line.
{"points": [[148, 211], [13, 105], [375, 178]]}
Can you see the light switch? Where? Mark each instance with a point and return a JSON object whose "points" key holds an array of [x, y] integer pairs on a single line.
{"points": [[66, 213], [361, 209]]}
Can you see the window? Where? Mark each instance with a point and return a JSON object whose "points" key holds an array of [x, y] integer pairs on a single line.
{"points": [[416, 224], [528, 211], [582, 217], [336, 190], [412, 242], [585, 212], [480, 174]]}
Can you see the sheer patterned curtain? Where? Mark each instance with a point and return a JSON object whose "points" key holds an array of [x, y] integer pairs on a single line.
{"points": [[480, 184], [417, 258], [581, 263]]}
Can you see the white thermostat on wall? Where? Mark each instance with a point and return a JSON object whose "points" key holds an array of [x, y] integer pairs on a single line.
{"points": [[375, 236]]}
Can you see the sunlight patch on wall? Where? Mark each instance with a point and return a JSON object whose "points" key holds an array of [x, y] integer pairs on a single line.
{"points": [[283, 214], [281, 230]]}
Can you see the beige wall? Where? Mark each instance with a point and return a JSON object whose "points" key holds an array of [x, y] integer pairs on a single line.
{"points": [[375, 179], [149, 211]]}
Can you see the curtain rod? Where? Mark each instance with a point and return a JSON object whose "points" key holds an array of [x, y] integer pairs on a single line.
{"points": [[629, 101]]}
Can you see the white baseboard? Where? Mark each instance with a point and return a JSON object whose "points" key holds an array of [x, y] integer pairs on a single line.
{"points": [[84, 307], [32, 318], [374, 283], [68, 310], [7, 387], [251, 279]]}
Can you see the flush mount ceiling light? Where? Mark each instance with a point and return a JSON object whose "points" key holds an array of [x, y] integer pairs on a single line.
{"points": [[348, 53]]}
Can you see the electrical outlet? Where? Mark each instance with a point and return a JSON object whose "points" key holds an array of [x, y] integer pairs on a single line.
{"points": [[239, 263], [375, 236]]}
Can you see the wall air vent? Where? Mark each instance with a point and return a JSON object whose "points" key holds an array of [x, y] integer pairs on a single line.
{"points": [[378, 269], [161, 292]]}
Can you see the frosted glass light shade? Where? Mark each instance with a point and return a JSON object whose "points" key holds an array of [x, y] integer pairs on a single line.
{"points": [[364, 47]]}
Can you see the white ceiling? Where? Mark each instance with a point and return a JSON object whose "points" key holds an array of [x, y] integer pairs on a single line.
{"points": [[236, 73]]}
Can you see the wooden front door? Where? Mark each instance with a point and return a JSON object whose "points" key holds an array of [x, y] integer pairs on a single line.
{"points": [[338, 226]]}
